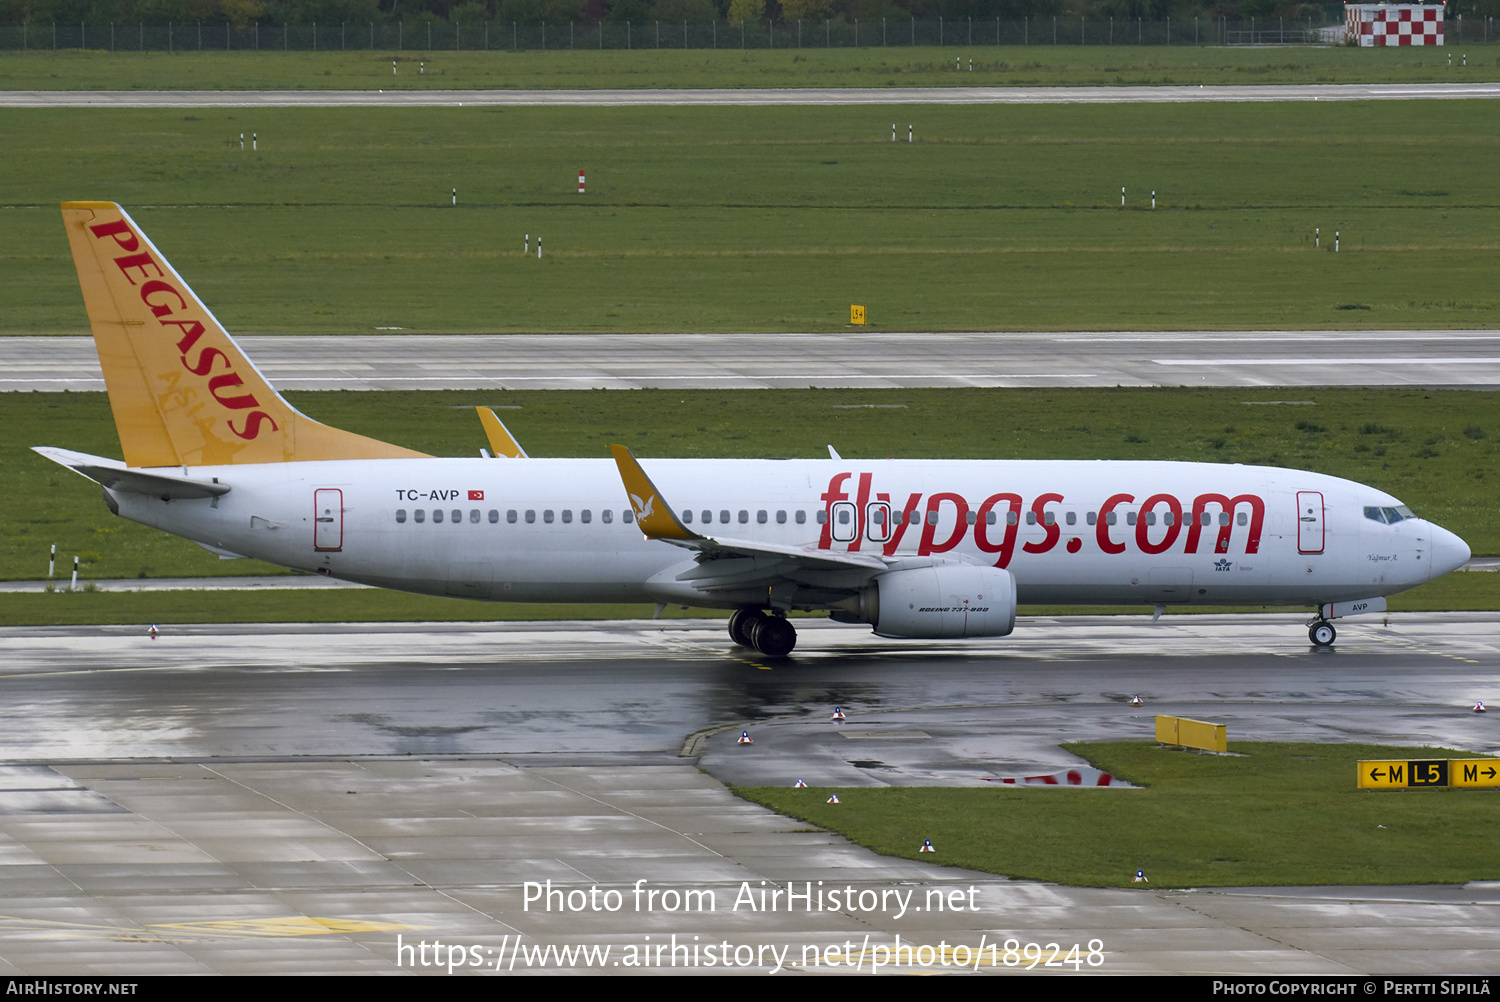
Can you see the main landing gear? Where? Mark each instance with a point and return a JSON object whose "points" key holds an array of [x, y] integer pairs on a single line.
{"points": [[1322, 633], [772, 635]]}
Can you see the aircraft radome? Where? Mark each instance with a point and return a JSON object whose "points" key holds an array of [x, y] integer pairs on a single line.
{"points": [[915, 548]]}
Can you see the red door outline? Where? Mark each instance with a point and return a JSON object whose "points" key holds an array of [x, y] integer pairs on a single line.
{"points": [[1309, 522], [328, 519]]}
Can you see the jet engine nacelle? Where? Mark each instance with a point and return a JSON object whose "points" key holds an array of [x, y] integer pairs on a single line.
{"points": [[945, 601]]}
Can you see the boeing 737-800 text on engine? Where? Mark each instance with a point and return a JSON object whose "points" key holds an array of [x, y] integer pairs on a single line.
{"points": [[914, 548]]}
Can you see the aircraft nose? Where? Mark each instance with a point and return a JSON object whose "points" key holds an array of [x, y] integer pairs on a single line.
{"points": [[1449, 553]]}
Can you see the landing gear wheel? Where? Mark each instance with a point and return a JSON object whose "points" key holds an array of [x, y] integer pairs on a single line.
{"points": [[740, 625], [774, 636], [1322, 633]]}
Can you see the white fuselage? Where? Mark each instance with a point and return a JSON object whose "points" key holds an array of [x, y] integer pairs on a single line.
{"points": [[562, 530]]}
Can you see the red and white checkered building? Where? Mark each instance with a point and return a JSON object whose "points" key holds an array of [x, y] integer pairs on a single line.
{"points": [[1393, 24]]}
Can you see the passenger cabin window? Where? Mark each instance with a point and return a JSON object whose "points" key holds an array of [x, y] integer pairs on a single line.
{"points": [[724, 516], [530, 515], [419, 515], [510, 515], [494, 516], [586, 516], [761, 517], [401, 514], [437, 514], [687, 516], [567, 514], [547, 515], [744, 517], [781, 517], [458, 516], [823, 518], [627, 516], [801, 516], [607, 515], [844, 530], [474, 516]]}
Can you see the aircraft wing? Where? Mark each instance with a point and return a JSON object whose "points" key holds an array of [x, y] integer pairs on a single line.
{"points": [[657, 521], [117, 476], [716, 548]]}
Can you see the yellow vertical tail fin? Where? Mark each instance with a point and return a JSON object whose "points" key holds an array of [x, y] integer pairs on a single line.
{"points": [[182, 392]]}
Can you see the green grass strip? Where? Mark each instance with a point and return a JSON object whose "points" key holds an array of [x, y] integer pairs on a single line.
{"points": [[777, 219], [1269, 814], [810, 66]]}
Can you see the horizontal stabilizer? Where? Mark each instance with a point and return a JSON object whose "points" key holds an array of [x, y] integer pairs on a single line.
{"points": [[117, 476]]}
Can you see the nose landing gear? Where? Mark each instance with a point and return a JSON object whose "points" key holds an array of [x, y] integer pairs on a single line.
{"points": [[772, 635], [1322, 633]]}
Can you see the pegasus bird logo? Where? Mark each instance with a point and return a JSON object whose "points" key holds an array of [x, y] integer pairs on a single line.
{"points": [[643, 509]]}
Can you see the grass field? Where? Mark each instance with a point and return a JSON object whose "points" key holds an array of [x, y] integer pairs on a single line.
{"points": [[997, 218], [1434, 450], [1269, 814], [898, 66]]}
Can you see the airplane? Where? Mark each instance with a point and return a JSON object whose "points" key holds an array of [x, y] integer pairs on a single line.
{"points": [[915, 549]]}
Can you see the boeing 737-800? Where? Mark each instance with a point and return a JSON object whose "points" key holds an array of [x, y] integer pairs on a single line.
{"points": [[914, 548]]}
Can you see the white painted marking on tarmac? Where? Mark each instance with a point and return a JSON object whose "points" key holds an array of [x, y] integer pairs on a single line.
{"points": [[45, 379], [1337, 360], [1302, 337], [1429, 91], [721, 377]]}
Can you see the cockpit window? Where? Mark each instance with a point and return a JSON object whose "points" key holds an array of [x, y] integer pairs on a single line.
{"points": [[1389, 516]]}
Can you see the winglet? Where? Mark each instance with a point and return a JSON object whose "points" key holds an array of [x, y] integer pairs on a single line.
{"points": [[651, 510], [501, 440]]}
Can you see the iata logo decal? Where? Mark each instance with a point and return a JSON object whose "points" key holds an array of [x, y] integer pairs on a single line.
{"points": [[1223, 565]]}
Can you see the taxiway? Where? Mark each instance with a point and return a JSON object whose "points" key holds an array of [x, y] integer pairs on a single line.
{"points": [[748, 96], [257, 799], [1459, 359]]}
